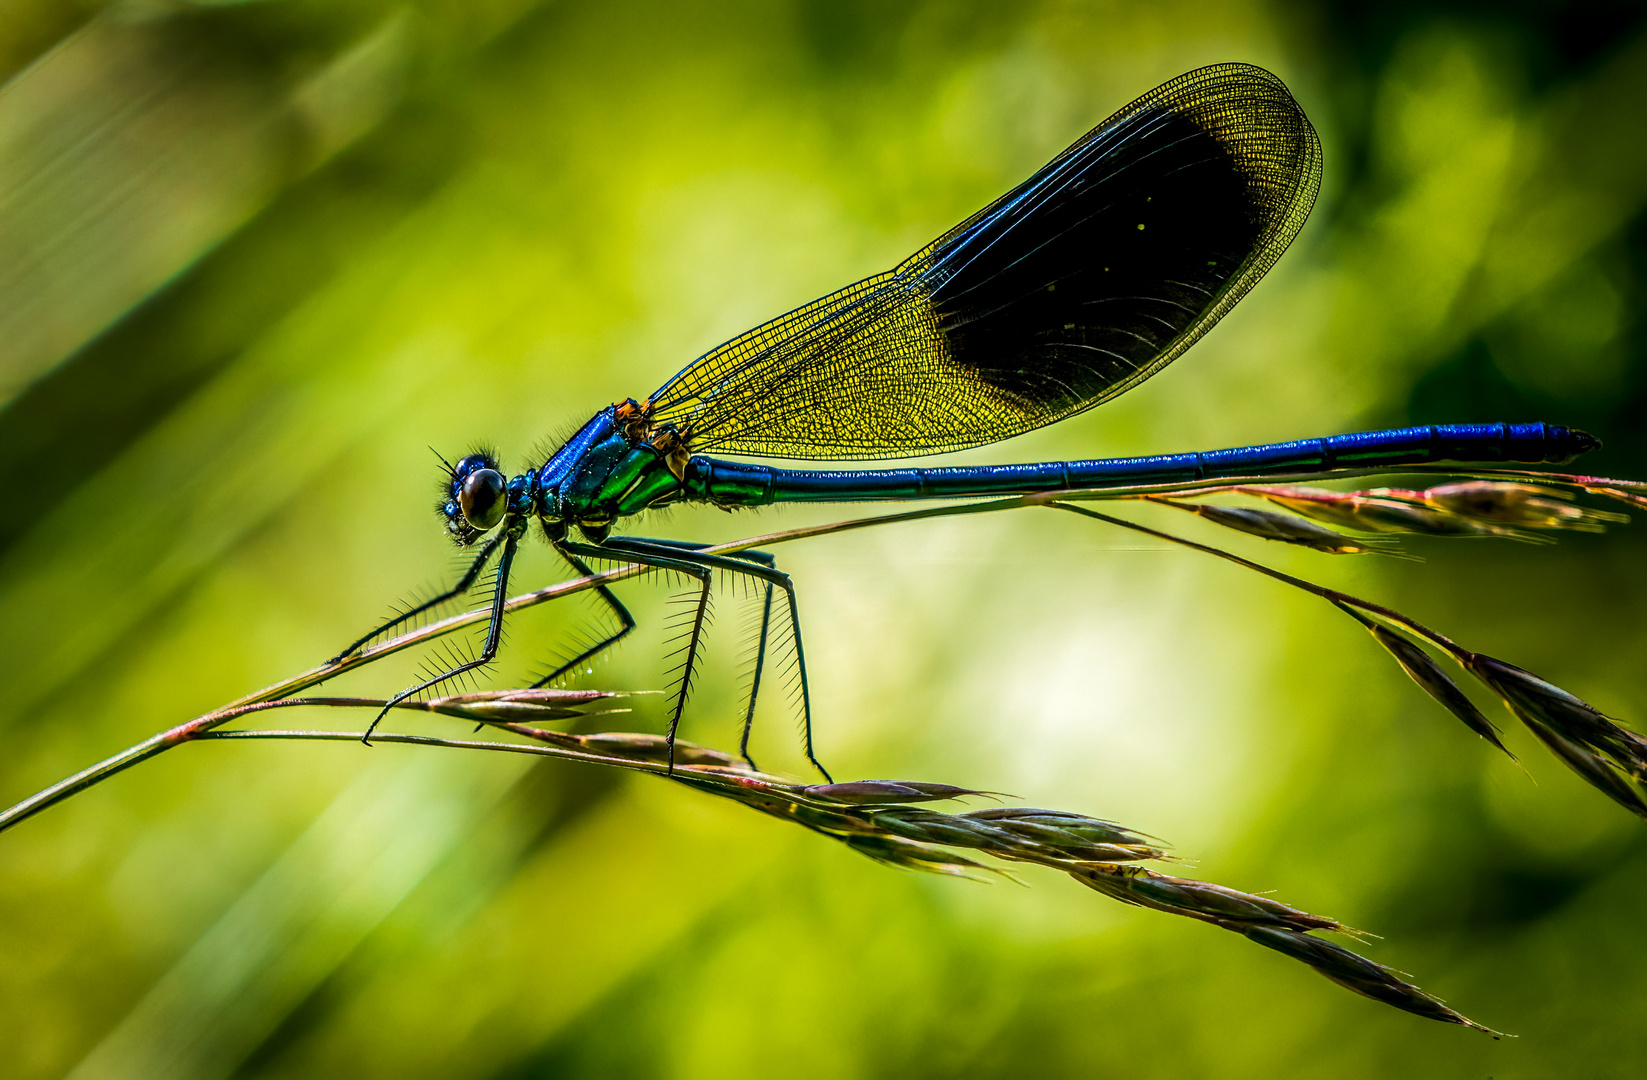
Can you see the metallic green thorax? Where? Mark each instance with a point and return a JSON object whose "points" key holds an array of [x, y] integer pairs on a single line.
{"points": [[601, 474]]}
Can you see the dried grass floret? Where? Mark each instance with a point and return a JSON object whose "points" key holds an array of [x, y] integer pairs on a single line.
{"points": [[1465, 508], [1598, 748], [1526, 505], [1379, 510], [1355, 972], [1285, 528], [1430, 677]]}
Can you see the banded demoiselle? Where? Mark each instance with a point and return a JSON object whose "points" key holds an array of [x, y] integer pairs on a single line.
{"points": [[1072, 288]]}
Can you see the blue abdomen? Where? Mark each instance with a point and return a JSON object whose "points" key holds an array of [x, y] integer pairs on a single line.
{"points": [[730, 483]]}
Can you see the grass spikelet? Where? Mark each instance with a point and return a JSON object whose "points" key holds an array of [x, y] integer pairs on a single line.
{"points": [[1012, 840], [869, 792], [1466, 508], [1079, 826], [930, 827], [1629, 498], [521, 706], [1276, 926], [1526, 505], [640, 746], [1381, 510], [1429, 676], [1596, 770], [1080, 838], [1355, 972], [912, 856], [1197, 899], [1567, 714], [1591, 743], [1284, 528]]}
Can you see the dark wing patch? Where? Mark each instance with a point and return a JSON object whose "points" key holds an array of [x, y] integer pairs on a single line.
{"points": [[1080, 283]]}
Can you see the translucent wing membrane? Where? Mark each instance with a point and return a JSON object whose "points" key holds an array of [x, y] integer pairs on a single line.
{"points": [[1075, 286]]}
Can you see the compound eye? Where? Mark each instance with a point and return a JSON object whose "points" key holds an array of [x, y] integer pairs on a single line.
{"points": [[482, 498], [470, 463]]}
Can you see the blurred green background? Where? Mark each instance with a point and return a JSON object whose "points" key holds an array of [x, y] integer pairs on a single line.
{"points": [[255, 258]]}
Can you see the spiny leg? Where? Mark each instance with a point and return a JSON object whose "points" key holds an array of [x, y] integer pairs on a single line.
{"points": [[494, 635], [765, 559], [755, 679], [753, 568], [463, 586], [673, 560], [626, 620]]}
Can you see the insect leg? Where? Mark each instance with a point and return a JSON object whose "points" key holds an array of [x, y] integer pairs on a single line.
{"points": [[671, 560], [494, 635], [755, 679], [770, 562], [751, 568], [626, 620], [463, 585]]}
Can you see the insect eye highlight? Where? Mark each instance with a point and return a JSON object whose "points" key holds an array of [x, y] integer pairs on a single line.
{"points": [[472, 463], [481, 498]]}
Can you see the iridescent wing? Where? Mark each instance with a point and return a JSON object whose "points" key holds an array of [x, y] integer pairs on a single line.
{"points": [[1080, 283]]}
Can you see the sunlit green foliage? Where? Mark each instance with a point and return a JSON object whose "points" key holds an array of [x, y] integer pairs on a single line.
{"points": [[255, 258]]}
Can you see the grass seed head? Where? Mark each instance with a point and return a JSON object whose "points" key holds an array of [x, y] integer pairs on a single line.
{"points": [[1381, 510], [1355, 972], [1093, 829], [914, 856], [1013, 840], [872, 792], [1282, 527], [1435, 682], [1635, 498], [1526, 505], [1600, 750], [1596, 770], [929, 826], [1069, 836], [517, 706], [1198, 899], [1568, 715], [641, 746]]}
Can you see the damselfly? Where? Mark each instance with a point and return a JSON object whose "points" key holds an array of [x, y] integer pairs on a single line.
{"points": [[1072, 288]]}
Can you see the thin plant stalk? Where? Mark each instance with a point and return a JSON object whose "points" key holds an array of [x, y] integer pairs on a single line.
{"points": [[1608, 756], [874, 819], [166, 740], [1334, 596], [886, 829]]}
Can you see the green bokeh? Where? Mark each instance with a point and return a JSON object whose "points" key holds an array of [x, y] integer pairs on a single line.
{"points": [[255, 258]]}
